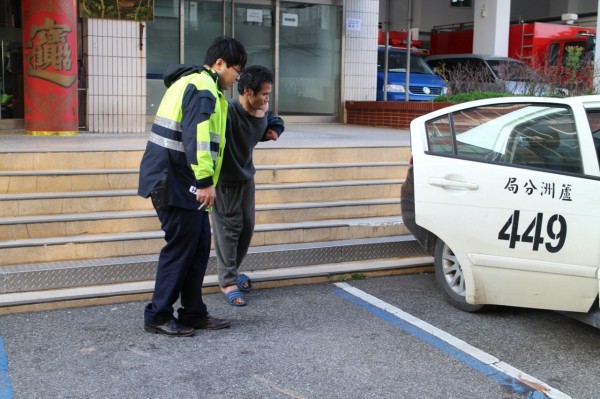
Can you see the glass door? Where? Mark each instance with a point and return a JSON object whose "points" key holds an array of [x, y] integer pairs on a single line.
{"points": [[11, 65], [253, 25], [309, 57], [302, 47], [249, 22]]}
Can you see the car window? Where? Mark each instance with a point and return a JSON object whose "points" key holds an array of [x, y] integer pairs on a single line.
{"points": [[585, 57], [553, 51], [515, 71], [462, 69], [397, 63], [440, 136], [594, 120], [540, 136]]}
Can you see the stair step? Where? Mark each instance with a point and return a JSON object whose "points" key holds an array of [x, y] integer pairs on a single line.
{"points": [[31, 204], [71, 160], [91, 246], [47, 181], [68, 180], [110, 270], [130, 159], [328, 191], [61, 225], [271, 174], [302, 211], [295, 156], [31, 297]]}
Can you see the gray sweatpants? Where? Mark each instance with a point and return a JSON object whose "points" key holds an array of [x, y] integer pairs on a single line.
{"points": [[233, 225]]}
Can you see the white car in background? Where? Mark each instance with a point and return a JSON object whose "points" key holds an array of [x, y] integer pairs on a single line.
{"points": [[506, 194]]}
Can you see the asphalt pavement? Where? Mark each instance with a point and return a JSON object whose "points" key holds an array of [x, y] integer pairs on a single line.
{"points": [[303, 342]]}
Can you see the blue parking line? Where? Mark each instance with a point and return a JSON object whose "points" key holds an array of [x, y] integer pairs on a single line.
{"points": [[6, 390], [500, 377]]}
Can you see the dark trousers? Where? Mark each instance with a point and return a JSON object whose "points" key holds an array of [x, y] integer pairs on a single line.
{"points": [[181, 267], [233, 220]]}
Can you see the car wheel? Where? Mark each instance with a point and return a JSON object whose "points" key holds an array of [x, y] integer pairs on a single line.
{"points": [[451, 279]]}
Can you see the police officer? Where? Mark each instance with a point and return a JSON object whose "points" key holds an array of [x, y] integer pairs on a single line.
{"points": [[179, 171]]}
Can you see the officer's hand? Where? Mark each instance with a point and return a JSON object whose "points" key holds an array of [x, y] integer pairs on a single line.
{"points": [[206, 196]]}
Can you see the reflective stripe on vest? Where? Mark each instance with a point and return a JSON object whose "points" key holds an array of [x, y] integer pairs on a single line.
{"points": [[168, 123], [166, 143]]}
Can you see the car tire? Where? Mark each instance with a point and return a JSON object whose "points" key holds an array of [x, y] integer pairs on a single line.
{"points": [[451, 279]]}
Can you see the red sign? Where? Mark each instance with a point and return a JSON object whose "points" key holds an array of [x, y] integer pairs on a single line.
{"points": [[50, 66]]}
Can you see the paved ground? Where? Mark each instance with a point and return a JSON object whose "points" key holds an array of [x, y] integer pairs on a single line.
{"points": [[300, 342], [295, 135]]}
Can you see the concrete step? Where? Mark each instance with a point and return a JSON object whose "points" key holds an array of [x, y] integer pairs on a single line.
{"points": [[328, 191], [31, 204], [303, 211], [114, 159], [39, 203], [64, 160], [75, 224], [48, 181], [117, 244], [272, 174], [71, 180], [136, 268], [307, 155]]}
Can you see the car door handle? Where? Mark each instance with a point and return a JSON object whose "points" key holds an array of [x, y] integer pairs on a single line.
{"points": [[445, 183]]}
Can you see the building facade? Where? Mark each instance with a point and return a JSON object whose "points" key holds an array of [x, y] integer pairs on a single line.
{"points": [[323, 52]]}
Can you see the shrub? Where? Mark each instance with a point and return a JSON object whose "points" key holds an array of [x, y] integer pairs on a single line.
{"points": [[474, 95]]}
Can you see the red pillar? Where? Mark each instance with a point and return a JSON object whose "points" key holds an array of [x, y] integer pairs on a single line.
{"points": [[50, 67]]}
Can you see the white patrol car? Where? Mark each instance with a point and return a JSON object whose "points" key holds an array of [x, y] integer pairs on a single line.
{"points": [[507, 196]]}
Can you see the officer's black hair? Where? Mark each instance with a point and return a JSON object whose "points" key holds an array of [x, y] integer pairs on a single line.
{"points": [[231, 50], [253, 78]]}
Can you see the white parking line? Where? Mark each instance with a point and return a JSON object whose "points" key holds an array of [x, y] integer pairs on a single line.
{"points": [[483, 362]]}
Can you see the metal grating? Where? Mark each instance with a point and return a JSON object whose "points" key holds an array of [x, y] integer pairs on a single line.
{"points": [[71, 274]]}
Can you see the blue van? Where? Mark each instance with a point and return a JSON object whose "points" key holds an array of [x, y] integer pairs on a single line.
{"points": [[425, 85]]}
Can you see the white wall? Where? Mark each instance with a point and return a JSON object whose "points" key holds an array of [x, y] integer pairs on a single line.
{"points": [[116, 76], [492, 19], [360, 51]]}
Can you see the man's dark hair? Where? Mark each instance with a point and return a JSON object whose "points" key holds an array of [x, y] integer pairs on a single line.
{"points": [[231, 50], [253, 78]]}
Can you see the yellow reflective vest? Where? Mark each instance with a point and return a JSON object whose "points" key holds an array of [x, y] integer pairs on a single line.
{"points": [[185, 147]]}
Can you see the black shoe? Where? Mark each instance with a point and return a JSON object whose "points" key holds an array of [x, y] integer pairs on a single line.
{"points": [[210, 323], [171, 328]]}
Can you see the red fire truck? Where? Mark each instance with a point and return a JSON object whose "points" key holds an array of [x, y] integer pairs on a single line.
{"points": [[536, 43]]}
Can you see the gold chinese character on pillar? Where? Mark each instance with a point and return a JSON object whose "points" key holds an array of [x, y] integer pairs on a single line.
{"points": [[50, 53]]}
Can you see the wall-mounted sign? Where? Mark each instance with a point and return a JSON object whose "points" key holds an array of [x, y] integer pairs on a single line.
{"points": [[131, 10], [353, 23], [289, 19], [254, 15]]}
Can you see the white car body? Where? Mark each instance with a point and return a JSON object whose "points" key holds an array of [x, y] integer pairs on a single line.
{"points": [[525, 229]]}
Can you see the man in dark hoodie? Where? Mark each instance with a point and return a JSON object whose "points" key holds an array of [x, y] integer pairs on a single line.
{"points": [[233, 218], [179, 171]]}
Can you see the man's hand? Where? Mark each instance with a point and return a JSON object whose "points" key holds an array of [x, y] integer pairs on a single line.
{"points": [[206, 196], [271, 135]]}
